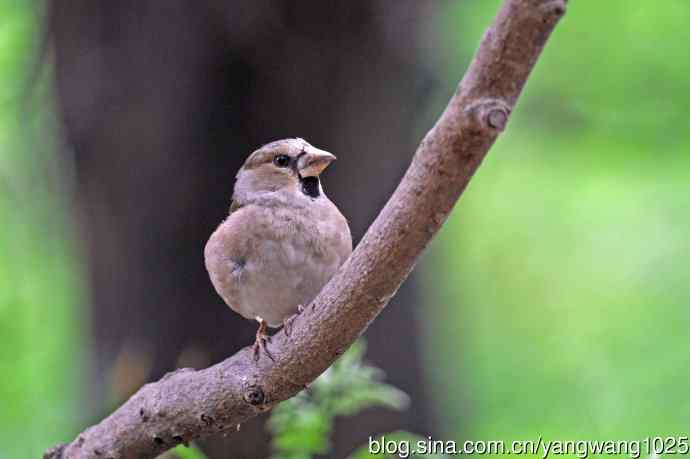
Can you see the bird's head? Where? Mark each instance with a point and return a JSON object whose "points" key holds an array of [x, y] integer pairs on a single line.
{"points": [[291, 165]]}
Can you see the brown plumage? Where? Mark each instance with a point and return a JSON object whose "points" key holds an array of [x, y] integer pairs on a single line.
{"points": [[283, 240]]}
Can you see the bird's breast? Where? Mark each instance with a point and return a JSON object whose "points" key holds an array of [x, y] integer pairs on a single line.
{"points": [[289, 265]]}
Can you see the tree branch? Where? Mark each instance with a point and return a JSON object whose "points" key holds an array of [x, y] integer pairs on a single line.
{"points": [[187, 404]]}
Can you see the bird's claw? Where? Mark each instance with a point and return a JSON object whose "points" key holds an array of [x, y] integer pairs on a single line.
{"points": [[262, 339]]}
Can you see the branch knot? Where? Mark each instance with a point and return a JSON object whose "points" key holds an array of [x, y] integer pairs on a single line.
{"points": [[555, 8], [254, 395], [489, 113]]}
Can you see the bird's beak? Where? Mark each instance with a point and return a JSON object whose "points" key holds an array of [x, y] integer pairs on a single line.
{"points": [[313, 161]]}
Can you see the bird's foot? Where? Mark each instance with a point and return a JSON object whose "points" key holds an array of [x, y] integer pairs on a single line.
{"points": [[287, 323], [262, 339]]}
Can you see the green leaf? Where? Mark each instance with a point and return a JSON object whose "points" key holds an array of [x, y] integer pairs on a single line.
{"points": [[301, 426], [191, 452]]}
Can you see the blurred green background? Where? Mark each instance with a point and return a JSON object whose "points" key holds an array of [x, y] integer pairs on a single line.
{"points": [[561, 281], [556, 296], [40, 323]]}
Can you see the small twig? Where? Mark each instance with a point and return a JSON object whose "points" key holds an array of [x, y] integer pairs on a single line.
{"points": [[187, 404]]}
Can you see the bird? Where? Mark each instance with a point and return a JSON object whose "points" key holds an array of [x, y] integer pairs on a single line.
{"points": [[283, 238]]}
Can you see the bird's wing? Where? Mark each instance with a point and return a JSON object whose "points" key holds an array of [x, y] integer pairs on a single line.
{"points": [[343, 245], [226, 254]]}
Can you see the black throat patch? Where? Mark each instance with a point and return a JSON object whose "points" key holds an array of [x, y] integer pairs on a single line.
{"points": [[310, 186]]}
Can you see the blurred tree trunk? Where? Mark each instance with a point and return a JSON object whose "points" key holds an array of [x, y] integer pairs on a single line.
{"points": [[161, 101]]}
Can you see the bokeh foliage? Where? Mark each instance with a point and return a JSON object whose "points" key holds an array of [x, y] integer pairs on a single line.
{"points": [[558, 291], [39, 326], [301, 427]]}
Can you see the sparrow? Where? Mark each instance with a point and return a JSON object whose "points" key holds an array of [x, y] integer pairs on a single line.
{"points": [[282, 240]]}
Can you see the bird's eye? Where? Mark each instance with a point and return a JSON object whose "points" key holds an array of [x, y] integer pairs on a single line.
{"points": [[281, 160]]}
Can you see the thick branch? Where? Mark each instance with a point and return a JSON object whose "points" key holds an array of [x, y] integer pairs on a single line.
{"points": [[189, 404]]}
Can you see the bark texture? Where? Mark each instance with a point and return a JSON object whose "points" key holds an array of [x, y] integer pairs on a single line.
{"points": [[188, 404]]}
